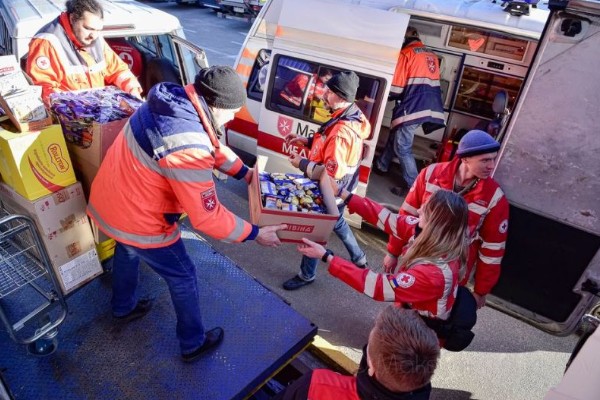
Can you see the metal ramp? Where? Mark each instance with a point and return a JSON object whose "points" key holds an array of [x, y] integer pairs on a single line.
{"points": [[98, 358]]}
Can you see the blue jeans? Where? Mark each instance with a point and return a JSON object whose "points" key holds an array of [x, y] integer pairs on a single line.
{"points": [[308, 266], [174, 265], [400, 142]]}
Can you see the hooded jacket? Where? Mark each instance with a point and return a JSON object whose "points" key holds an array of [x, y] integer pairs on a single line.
{"points": [[160, 166]]}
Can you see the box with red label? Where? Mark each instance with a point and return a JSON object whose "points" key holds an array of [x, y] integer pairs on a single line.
{"points": [[65, 230], [314, 226], [35, 164]]}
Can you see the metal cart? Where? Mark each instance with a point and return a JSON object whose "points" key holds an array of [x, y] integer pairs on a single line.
{"points": [[31, 302]]}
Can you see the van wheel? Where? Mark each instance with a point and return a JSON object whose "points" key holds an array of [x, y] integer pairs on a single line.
{"points": [[595, 311]]}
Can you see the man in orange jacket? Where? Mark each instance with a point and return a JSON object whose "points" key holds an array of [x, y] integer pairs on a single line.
{"points": [[397, 363], [160, 166], [68, 54]]}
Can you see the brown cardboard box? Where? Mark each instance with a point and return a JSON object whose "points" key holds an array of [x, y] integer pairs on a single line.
{"points": [[316, 227], [103, 136], [65, 231], [36, 163]]}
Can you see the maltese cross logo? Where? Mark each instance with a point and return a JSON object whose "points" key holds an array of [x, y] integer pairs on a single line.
{"points": [[209, 199], [284, 126]]}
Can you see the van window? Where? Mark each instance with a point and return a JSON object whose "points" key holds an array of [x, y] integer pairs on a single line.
{"points": [[258, 75], [485, 42], [298, 85], [5, 40]]}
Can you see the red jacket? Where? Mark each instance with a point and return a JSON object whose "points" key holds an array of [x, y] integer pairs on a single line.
{"points": [[488, 221], [58, 62], [160, 166], [429, 288]]}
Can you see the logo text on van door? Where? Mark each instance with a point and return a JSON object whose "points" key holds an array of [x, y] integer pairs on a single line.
{"points": [[301, 130]]}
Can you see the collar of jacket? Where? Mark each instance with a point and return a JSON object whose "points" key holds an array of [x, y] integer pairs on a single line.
{"points": [[66, 24]]}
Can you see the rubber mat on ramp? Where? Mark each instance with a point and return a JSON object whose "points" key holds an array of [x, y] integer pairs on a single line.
{"points": [[98, 358]]}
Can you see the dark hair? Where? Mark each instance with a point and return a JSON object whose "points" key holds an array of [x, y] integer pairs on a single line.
{"points": [[402, 349], [76, 8]]}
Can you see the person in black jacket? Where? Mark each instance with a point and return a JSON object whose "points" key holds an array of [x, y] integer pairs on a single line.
{"points": [[397, 364]]}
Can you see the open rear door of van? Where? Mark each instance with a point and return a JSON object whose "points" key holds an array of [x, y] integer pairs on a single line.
{"points": [[550, 172], [314, 39]]}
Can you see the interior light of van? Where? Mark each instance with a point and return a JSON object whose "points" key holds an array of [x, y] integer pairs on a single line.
{"points": [[108, 28]]}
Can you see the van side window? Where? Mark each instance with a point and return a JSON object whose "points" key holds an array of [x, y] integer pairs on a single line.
{"points": [[298, 86], [5, 40], [258, 76]]}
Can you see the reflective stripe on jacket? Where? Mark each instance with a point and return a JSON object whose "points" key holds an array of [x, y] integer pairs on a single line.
{"points": [[417, 79], [161, 165], [430, 288], [57, 62], [488, 220]]}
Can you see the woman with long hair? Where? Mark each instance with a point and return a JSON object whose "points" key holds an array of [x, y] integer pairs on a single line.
{"points": [[427, 275]]}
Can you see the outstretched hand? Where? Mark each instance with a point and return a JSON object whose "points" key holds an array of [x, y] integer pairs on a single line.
{"points": [[390, 263], [267, 235], [311, 249], [295, 159], [294, 139]]}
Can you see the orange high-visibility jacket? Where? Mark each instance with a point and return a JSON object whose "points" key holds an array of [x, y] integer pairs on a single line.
{"points": [[57, 62], [160, 166]]}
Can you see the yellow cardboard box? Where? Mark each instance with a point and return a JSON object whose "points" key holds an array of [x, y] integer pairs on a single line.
{"points": [[37, 163]]}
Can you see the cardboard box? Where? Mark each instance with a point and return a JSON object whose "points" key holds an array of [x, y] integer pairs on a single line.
{"points": [[102, 137], [313, 226], [65, 231], [21, 102], [35, 164]]}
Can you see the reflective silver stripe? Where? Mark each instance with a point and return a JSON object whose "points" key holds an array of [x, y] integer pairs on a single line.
{"points": [[383, 216], [490, 260], [237, 231], [98, 67], [58, 47], [370, 282], [493, 246], [423, 81], [396, 89], [137, 151], [409, 209], [431, 188], [498, 194], [141, 239], [75, 69], [477, 209], [186, 139], [187, 175], [388, 290], [429, 171], [442, 303], [417, 115]]}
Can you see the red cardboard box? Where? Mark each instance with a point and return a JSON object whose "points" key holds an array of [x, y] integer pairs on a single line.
{"points": [[313, 226]]}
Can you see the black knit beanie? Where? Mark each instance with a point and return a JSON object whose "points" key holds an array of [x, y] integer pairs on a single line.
{"points": [[344, 84], [221, 87]]}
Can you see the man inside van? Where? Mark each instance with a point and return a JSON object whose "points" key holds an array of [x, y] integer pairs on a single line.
{"points": [[69, 54], [293, 92], [416, 90], [337, 146]]}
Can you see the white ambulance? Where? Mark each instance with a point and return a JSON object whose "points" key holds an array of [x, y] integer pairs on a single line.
{"points": [[149, 40], [496, 58]]}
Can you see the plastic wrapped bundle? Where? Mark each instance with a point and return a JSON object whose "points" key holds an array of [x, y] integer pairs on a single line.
{"points": [[77, 111]]}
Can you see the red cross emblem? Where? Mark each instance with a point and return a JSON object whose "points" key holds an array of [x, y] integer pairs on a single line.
{"points": [[209, 199], [42, 62], [405, 280], [284, 126]]}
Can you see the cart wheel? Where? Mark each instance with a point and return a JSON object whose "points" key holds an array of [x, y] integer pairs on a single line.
{"points": [[45, 345]]}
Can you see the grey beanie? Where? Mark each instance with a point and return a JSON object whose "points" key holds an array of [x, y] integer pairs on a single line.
{"points": [[476, 142], [221, 87], [344, 84]]}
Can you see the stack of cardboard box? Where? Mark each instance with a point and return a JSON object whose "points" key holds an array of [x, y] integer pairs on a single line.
{"points": [[38, 181]]}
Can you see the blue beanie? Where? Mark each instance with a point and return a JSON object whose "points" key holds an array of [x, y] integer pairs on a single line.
{"points": [[476, 142]]}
